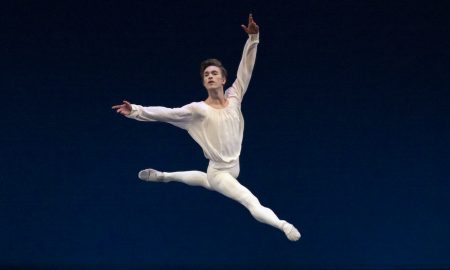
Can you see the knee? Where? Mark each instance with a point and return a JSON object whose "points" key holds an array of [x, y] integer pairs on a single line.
{"points": [[249, 201]]}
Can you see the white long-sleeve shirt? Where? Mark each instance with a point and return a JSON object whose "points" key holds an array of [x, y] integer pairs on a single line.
{"points": [[219, 132]]}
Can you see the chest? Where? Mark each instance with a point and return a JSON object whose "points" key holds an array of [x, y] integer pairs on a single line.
{"points": [[229, 117]]}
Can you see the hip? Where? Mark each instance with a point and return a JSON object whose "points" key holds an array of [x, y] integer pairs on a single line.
{"points": [[215, 168]]}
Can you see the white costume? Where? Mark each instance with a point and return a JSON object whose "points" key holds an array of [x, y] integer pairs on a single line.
{"points": [[219, 132]]}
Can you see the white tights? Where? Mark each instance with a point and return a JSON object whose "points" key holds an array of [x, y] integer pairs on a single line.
{"points": [[224, 181]]}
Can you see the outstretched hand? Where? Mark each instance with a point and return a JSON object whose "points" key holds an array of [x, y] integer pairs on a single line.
{"points": [[124, 108], [252, 27]]}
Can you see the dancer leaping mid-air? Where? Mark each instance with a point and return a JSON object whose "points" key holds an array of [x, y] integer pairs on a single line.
{"points": [[217, 125]]}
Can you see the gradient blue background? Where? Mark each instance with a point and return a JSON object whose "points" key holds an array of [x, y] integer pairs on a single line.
{"points": [[347, 134]]}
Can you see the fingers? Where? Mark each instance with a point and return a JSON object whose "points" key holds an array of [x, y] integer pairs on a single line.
{"points": [[251, 22], [125, 103], [124, 108], [122, 111]]}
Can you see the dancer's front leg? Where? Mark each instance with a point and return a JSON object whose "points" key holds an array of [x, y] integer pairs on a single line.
{"points": [[192, 178], [227, 185]]}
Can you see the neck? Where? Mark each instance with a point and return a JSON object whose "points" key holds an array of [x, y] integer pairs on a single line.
{"points": [[216, 97]]}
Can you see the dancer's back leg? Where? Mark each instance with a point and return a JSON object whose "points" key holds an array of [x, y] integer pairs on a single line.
{"points": [[192, 178]]}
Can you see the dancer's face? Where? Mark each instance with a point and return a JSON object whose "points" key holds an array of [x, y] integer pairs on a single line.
{"points": [[212, 78]]}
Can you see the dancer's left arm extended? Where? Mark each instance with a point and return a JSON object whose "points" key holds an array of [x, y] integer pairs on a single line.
{"points": [[247, 63]]}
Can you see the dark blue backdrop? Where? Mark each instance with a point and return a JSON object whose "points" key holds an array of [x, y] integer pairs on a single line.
{"points": [[347, 134]]}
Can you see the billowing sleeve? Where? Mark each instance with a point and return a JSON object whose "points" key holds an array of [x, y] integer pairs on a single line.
{"points": [[244, 73], [180, 117]]}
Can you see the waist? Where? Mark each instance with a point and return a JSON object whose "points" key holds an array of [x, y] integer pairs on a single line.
{"points": [[223, 164]]}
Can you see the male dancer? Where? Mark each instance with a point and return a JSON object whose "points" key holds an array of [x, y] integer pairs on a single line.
{"points": [[217, 125]]}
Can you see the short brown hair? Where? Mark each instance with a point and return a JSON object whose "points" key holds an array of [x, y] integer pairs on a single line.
{"points": [[213, 62]]}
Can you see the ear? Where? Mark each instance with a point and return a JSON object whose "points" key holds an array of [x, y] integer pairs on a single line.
{"points": [[224, 81]]}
